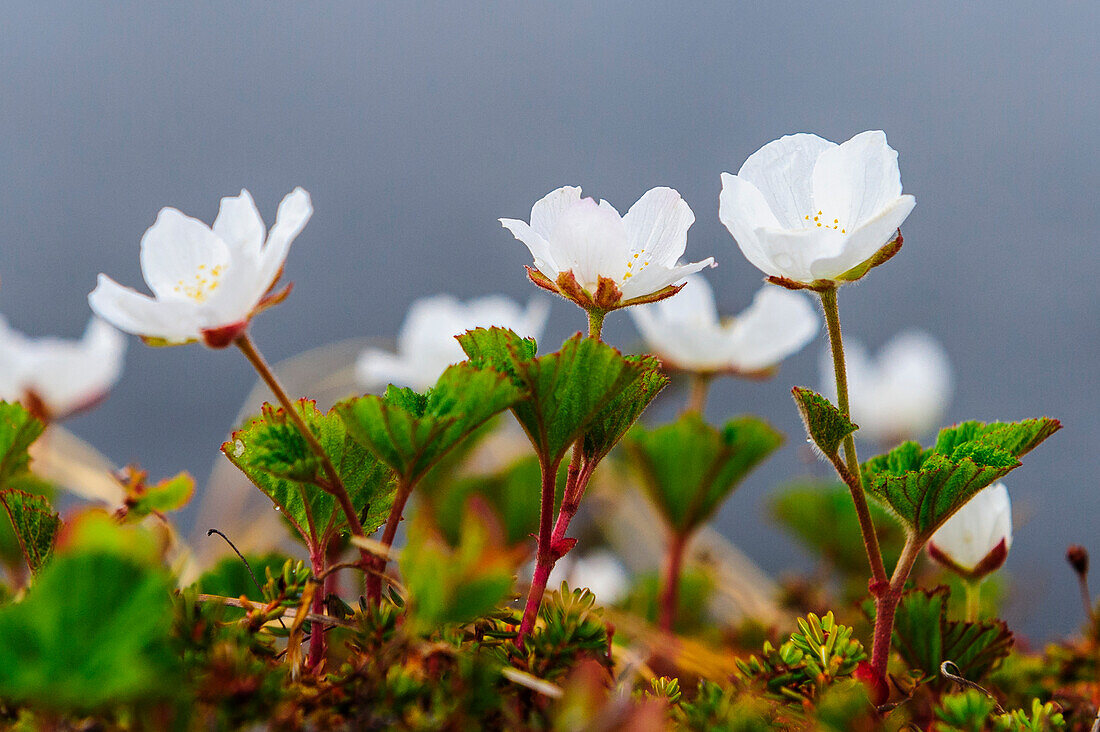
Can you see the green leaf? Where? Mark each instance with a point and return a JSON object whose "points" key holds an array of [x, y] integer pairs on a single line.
{"points": [[623, 411], [18, 429], [35, 525], [273, 454], [454, 585], [925, 638], [825, 424], [93, 631], [688, 467], [566, 391], [411, 432], [924, 488], [805, 506], [171, 494]]}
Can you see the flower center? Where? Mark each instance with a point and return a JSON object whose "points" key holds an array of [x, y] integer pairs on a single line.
{"points": [[822, 221], [635, 265], [202, 285]]}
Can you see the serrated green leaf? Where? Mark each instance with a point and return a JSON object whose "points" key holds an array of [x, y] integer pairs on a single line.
{"points": [[263, 450], [35, 525], [688, 467], [171, 494], [623, 411], [925, 638], [805, 506], [566, 391], [18, 429], [93, 631], [825, 424], [411, 432], [924, 488]]}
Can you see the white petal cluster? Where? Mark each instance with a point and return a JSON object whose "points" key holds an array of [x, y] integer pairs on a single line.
{"points": [[426, 344], [976, 529], [207, 281], [638, 252], [902, 393], [60, 376], [686, 332], [804, 209]]}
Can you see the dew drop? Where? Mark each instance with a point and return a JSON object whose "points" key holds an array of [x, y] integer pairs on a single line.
{"points": [[238, 448], [783, 260]]}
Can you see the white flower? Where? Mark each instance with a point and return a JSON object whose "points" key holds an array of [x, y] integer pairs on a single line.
{"points": [[588, 253], [686, 333], [600, 571], [804, 209], [901, 394], [426, 344], [54, 377], [976, 540], [207, 282]]}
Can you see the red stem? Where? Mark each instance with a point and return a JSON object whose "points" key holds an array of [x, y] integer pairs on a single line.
{"points": [[317, 630], [544, 556], [886, 604], [374, 579], [670, 595]]}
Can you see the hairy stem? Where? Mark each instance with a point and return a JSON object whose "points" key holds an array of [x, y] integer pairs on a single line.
{"points": [[595, 323], [886, 604], [316, 630], [670, 593], [697, 393], [544, 555], [855, 478], [374, 579], [334, 484]]}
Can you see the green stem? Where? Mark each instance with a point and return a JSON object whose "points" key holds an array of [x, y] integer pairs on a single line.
{"points": [[595, 323], [973, 599], [334, 485], [697, 394], [855, 481]]}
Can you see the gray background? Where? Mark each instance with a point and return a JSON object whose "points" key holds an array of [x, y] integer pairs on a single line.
{"points": [[416, 125]]}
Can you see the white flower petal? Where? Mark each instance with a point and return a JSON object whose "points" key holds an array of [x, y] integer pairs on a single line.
{"points": [[538, 246], [548, 209], [783, 172], [657, 225], [69, 375], [590, 240], [294, 212], [861, 244], [239, 224], [178, 253], [777, 324], [743, 210], [655, 277], [791, 253], [854, 181], [173, 320], [977, 528]]}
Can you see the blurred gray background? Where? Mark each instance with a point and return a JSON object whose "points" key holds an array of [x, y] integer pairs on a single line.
{"points": [[416, 125]]}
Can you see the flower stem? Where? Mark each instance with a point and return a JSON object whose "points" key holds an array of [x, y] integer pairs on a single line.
{"points": [[855, 477], [374, 579], [973, 599], [334, 485], [544, 556], [595, 323], [697, 394], [670, 593], [316, 630], [886, 604]]}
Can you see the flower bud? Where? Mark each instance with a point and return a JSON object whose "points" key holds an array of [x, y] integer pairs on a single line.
{"points": [[975, 541]]}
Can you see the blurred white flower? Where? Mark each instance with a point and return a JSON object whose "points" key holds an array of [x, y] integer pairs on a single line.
{"points": [[426, 344], [207, 282], [975, 541], [54, 377], [600, 571], [686, 332], [901, 394], [588, 253], [803, 209]]}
